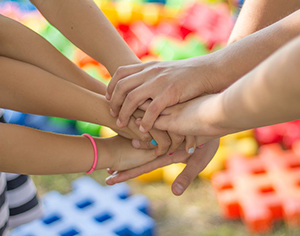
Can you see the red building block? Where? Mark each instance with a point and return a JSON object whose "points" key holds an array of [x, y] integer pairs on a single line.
{"points": [[262, 189], [213, 25], [285, 133]]}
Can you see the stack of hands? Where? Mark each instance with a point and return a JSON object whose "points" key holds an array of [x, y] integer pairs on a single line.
{"points": [[172, 110]]}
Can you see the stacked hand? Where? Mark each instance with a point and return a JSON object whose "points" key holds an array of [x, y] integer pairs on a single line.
{"points": [[164, 91]]}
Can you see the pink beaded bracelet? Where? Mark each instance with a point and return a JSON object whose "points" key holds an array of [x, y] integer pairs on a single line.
{"points": [[95, 152]]}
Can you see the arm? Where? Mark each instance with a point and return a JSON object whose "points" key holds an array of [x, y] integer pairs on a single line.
{"points": [[104, 43], [83, 23], [28, 151], [169, 83], [27, 88], [22, 44], [258, 14], [269, 94]]}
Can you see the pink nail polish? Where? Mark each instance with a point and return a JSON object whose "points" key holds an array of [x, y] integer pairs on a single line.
{"points": [[171, 153], [200, 146]]}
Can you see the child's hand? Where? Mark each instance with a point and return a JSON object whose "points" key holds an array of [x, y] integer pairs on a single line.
{"points": [[166, 142], [194, 165], [119, 154], [198, 117], [163, 83]]}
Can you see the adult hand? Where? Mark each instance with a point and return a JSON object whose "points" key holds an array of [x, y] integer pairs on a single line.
{"points": [[198, 117], [194, 165], [163, 83]]}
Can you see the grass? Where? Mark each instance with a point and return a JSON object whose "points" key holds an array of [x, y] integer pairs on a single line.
{"points": [[195, 213]]}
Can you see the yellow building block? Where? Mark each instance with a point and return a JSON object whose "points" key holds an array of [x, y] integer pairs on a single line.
{"points": [[106, 132], [155, 175], [171, 172], [217, 163]]}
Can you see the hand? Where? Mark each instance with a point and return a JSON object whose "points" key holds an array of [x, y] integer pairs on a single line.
{"points": [[120, 155], [167, 142], [198, 117], [164, 83], [194, 165]]}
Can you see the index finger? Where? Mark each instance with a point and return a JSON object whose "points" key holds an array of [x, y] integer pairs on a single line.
{"points": [[122, 72], [148, 167]]}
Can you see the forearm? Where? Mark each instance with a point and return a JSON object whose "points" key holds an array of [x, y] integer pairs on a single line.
{"points": [[237, 59], [20, 43], [29, 89], [258, 14], [268, 95], [83, 23], [28, 151]]}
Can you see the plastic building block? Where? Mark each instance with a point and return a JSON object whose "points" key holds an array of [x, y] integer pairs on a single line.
{"points": [[261, 190], [285, 133], [213, 25], [92, 209]]}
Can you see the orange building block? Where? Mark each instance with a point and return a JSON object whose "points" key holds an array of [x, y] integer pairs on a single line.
{"points": [[261, 190]]}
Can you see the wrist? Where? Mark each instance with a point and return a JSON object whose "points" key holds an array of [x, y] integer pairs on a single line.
{"points": [[105, 159], [215, 115], [210, 73]]}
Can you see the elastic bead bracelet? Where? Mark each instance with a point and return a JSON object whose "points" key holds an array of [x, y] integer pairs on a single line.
{"points": [[95, 152]]}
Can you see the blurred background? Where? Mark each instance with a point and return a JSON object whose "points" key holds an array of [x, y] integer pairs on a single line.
{"points": [[217, 203]]}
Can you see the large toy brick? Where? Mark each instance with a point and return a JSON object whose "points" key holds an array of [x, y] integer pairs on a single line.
{"points": [[92, 209], [261, 190], [285, 133]]}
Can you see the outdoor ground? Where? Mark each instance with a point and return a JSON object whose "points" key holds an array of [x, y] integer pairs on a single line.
{"points": [[195, 213]]}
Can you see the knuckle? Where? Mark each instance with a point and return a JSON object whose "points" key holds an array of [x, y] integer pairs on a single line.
{"points": [[120, 86], [154, 108], [120, 71], [145, 138], [131, 97]]}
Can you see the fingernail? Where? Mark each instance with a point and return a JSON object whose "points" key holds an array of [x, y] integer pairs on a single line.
{"points": [[153, 142], [136, 143], [191, 150], [112, 113], [171, 153], [200, 146], [142, 129], [119, 123], [107, 96], [108, 178], [178, 189]]}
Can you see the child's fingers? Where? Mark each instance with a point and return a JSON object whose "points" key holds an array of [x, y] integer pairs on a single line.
{"points": [[121, 73], [135, 129], [148, 167], [177, 140], [125, 90], [195, 164], [143, 145], [189, 173], [163, 141], [110, 171], [190, 144]]}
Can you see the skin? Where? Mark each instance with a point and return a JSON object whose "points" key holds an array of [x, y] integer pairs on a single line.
{"points": [[111, 51], [269, 94], [172, 82], [29, 80], [197, 73], [29, 151]]}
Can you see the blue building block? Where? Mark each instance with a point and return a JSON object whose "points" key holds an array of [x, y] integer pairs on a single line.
{"points": [[38, 122], [92, 210]]}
